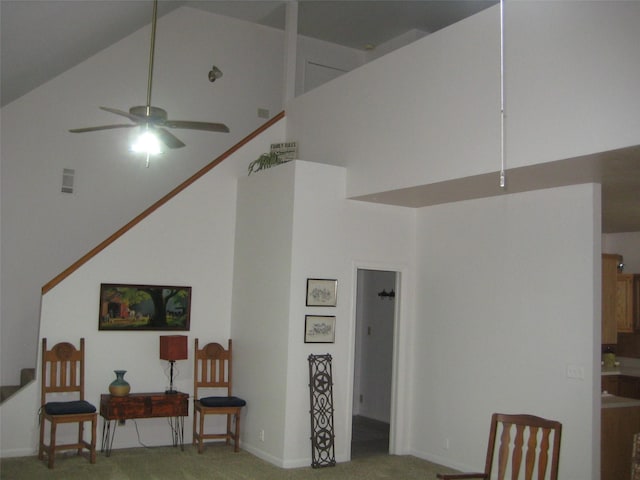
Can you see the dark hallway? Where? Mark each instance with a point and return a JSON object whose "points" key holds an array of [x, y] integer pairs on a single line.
{"points": [[369, 437]]}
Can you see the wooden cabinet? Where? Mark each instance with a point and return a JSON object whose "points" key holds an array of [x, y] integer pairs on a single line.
{"points": [[628, 386], [609, 288], [609, 383], [621, 385], [624, 303], [618, 425], [635, 294]]}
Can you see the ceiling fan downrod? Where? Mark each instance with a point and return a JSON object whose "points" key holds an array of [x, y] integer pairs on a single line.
{"points": [[154, 119], [154, 20]]}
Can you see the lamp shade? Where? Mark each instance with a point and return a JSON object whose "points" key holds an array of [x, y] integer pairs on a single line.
{"points": [[173, 347]]}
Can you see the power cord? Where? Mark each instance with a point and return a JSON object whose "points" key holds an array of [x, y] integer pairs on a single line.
{"points": [[138, 433]]}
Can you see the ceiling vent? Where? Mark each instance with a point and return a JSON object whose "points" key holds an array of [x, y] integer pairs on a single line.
{"points": [[67, 180]]}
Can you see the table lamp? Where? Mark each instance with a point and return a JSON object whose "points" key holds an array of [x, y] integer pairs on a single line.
{"points": [[172, 348]]}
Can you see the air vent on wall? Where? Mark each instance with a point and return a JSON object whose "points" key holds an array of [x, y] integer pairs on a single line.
{"points": [[67, 180]]}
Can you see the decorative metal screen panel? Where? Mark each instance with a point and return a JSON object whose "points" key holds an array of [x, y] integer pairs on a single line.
{"points": [[321, 394]]}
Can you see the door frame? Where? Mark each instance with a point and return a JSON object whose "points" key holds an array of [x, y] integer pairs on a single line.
{"points": [[398, 429]]}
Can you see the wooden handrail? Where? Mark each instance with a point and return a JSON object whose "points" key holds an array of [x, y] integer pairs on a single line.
{"points": [[104, 244]]}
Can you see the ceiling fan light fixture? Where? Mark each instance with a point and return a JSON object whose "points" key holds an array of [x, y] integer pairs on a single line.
{"points": [[147, 143], [153, 120]]}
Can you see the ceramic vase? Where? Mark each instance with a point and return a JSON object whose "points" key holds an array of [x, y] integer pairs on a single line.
{"points": [[119, 387]]}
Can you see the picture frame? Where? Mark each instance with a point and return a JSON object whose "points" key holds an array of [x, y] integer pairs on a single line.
{"points": [[144, 307], [319, 329], [322, 292]]}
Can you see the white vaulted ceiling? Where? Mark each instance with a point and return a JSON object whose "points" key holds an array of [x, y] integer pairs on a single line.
{"points": [[41, 39]]}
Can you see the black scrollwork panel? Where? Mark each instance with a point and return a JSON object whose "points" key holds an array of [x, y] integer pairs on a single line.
{"points": [[321, 396]]}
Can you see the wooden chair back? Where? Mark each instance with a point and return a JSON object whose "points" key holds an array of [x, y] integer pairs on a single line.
{"points": [[528, 447], [62, 369], [212, 368], [521, 447]]}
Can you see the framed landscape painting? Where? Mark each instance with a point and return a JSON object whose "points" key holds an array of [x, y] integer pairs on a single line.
{"points": [[144, 307]]}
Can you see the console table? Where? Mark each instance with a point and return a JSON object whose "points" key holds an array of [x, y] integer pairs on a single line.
{"points": [[174, 406]]}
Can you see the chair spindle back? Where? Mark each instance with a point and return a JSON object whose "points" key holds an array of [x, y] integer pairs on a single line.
{"points": [[212, 367], [62, 369], [527, 446]]}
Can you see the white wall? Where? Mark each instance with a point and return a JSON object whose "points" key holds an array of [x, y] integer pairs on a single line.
{"points": [[572, 70], [44, 231], [625, 244], [330, 237], [260, 316], [188, 241], [506, 296]]}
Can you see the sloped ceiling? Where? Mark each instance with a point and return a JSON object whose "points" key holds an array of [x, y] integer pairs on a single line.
{"points": [[40, 39]]}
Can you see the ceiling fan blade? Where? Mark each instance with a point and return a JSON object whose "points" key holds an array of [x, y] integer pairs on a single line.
{"points": [[102, 127], [168, 138], [131, 117], [209, 127]]}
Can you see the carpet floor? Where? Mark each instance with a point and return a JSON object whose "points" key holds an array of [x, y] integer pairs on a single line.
{"points": [[217, 462]]}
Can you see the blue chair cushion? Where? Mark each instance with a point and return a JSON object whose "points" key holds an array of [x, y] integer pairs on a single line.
{"points": [[222, 402], [69, 408]]}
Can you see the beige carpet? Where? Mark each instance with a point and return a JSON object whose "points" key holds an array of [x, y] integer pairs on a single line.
{"points": [[217, 462]]}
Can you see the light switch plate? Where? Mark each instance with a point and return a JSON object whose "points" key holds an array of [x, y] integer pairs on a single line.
{"points": [[575, 371]]}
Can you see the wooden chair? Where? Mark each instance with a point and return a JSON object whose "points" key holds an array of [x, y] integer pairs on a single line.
{"points": [[535, 440], [63, 372], [212, 370]]}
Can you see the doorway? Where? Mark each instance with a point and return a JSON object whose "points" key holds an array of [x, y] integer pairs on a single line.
{"points": [[373, 362]]}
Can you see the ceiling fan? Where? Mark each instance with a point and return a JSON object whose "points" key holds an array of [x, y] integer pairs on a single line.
{"points": [[154, 119]]}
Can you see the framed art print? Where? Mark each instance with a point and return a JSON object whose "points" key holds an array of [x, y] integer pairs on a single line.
{"points": [[319, 329], [321, 292]]}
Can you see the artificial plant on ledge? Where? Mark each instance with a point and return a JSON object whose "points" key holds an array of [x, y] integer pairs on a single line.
{"points": [[264, 161]]}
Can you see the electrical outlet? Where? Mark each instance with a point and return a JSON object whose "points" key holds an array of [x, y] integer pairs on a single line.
{"points": [[575, 371], [261, 435], [446, 444]]}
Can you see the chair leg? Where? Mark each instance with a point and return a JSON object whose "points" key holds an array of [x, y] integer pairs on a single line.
{"points": [[229, 434], [201, 433], [236, 437], [80, 436], [41, 447], [195, 432], [52, 444], [92, 451]]}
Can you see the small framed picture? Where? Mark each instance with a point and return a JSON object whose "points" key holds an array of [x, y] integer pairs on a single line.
{"points": [[321, 292], [319, 329]]}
